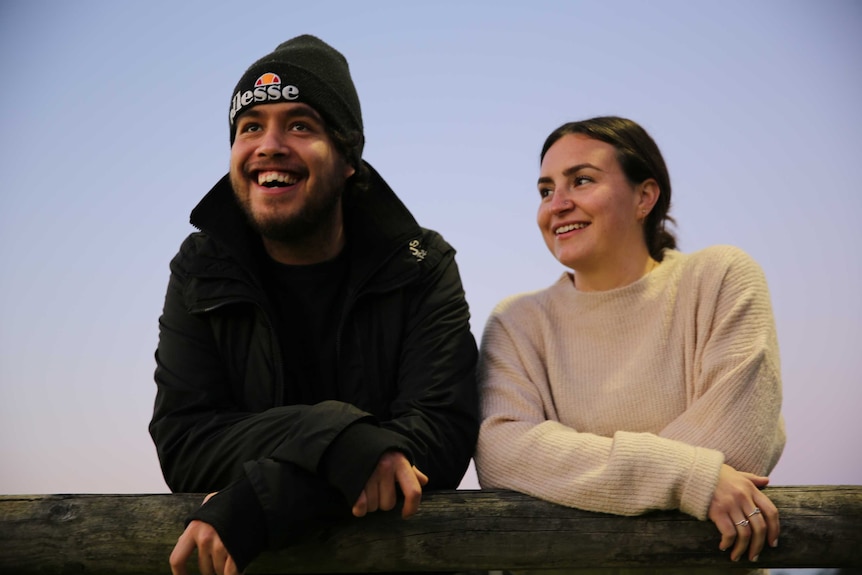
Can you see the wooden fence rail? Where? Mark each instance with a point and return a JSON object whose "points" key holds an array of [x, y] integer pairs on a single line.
{"points": [[458, 531]]}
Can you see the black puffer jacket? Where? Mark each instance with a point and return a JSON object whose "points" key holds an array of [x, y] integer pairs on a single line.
{"points": [[406, 362]]}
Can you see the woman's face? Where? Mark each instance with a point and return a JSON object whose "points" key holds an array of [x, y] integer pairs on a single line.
{"points": [[590, 215]]}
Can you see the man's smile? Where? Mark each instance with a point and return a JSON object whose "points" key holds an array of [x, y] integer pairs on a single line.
{"points": [[273, 179]]}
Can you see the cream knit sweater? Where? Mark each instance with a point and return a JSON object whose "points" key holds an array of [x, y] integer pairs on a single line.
{"points": [[630, 400]]}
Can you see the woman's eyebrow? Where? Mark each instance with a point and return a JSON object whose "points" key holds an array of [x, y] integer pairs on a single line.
{"points": [[569, 171]]}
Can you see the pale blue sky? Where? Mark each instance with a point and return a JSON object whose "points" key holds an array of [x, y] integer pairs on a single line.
{"points": [[114, 124]]}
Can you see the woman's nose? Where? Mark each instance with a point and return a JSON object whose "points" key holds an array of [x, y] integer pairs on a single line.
{"points": [[560, 202]]}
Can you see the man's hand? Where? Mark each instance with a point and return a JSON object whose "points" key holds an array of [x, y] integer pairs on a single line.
{"points": [[746, 518], [213, 557], [380, 493]]}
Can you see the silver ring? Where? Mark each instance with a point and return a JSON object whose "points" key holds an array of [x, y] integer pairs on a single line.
{"points": [[743, 523], [755, 512]]}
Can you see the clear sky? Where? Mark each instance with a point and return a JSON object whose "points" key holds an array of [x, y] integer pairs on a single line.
{"points": [[114, 125]]}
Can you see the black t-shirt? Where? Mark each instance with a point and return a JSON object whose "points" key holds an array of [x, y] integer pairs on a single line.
{"points": [[308, 301]]}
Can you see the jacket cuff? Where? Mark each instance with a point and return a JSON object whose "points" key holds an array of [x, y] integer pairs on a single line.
{"points": [[353, 455], [238, 518], [313, 432]]}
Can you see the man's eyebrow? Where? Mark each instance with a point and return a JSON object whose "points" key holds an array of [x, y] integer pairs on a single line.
{"points": [[301, 111], [570, 171], [304, 111]]}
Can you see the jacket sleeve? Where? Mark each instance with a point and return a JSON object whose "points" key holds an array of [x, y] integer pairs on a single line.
{"points": [[268, 508], [436, 404], [433, 417], [290, 455], [202, 435]]}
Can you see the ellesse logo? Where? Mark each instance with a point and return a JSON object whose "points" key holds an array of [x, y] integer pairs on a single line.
{"points": [[267, 88], [267, 79]]}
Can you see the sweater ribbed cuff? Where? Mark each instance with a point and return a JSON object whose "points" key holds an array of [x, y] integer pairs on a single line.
{"points": [[701, 483]]}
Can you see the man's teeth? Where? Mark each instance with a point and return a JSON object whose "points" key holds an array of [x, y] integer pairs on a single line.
{"points": [[570, 227], [271, 178]]}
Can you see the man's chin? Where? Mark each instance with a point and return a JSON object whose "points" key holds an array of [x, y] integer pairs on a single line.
{"points": [[282, 229]]}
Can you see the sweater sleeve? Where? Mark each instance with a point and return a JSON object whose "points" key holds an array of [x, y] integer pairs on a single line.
{"points": [[735, 396], [521, 449]]}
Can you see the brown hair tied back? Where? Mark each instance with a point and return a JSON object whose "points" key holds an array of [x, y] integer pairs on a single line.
{"points": [[640, 160]]}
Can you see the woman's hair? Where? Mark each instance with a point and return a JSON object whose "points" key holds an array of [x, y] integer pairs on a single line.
{"points": [[640, 160]]}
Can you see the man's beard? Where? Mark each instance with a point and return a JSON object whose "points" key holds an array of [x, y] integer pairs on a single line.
{"points": [[316, 213]]}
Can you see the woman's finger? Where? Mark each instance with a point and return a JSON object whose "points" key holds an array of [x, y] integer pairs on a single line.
{"points": [[743, 536], [769, 513], [726, 527], [758, 531]]}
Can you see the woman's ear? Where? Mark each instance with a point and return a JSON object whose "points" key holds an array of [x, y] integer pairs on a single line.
{"points": [[648, 194]]}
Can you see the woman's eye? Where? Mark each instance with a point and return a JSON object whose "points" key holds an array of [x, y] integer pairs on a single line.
{"points": [[581, 180], [544, 192], [249, 127], [299, 127]]}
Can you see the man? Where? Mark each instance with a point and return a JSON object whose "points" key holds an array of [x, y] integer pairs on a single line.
{"points": [[314, 355]]}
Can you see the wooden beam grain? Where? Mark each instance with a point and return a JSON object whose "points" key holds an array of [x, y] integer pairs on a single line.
{"points": [[455, 531]]}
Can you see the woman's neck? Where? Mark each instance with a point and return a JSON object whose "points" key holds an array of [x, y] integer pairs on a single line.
{"points": [[604, 278]]}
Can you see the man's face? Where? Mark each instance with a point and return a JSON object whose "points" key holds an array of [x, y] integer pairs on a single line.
{"points": [[286, 173]]}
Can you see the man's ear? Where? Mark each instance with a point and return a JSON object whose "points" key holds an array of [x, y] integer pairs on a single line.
{"points": [[349, 170]]}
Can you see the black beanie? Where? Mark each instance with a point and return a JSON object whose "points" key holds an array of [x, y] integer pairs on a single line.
{"points": [[303, 69]]}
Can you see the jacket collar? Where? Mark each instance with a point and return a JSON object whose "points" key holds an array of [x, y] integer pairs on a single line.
{"points": [[377, 224]]}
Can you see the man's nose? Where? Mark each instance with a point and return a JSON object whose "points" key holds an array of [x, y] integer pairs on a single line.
{"points": [[272, 143]]}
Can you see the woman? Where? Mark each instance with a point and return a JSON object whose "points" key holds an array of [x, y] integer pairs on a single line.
{"points": [[645, 378]]}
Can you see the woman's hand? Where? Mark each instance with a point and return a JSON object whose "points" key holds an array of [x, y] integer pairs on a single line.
{"points": [[745, 516]]}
